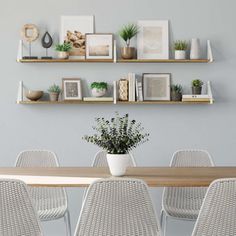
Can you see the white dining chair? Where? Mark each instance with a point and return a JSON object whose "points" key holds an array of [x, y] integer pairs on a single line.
{"points": [[17, 214], [50, 203], [184, 203], [217, 215], [100, 160], [117, 206]]}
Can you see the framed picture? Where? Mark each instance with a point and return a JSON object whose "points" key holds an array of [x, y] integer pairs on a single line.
{"points": [[153, 40], [99, 46], [73, 30], [156, 87], [72, 89]]}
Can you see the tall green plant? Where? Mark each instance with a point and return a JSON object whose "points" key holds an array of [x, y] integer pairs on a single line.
{"points": [[128, 32]]}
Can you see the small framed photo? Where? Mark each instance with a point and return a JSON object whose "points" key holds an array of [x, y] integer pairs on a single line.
{"points": [[153, 39], [156, 87], [99, 46], [72, 89]]}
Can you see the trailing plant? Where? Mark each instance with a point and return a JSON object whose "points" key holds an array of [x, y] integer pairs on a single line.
{"points": [[128, 32], [119, 135], [197, 83], [64, 47], [54, 89], [99, 85], [180, 45], [176, 88]]}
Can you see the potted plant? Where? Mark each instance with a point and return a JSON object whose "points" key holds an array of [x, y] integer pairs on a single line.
{"points": [[197, 86], [127, 33], [117, 137], [180, 49], [54, 92], [176, 92], [63, 50], [99, 89]]}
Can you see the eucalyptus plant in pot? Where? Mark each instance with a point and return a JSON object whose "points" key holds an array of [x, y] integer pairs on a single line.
{"points": [[117, 136], [127, 33]]}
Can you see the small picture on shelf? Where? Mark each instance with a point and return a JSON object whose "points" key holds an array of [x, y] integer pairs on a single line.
{"points": [[72, 89], [99, 46], [156, 87]]}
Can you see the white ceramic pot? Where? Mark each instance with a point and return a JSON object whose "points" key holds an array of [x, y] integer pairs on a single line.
{"points": [[195, 52], [180, 54], [98, 92], [118, 163], [63, 55]]}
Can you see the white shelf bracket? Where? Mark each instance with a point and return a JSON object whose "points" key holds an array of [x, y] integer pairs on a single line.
{"points": [[115, 52], [20, 95], [209, 51], [209, 92]]}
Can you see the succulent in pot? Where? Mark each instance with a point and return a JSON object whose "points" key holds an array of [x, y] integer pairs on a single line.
{"points": [[180, 49], [197, 87], [99, 89], [127, 33], [54, 92], [117, 136], [63, 50], [176, 92]]}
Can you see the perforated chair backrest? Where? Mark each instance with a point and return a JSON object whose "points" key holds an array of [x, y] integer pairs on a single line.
{"points": [[218, 212], [117, 206], [17, 214], [100, 160]]}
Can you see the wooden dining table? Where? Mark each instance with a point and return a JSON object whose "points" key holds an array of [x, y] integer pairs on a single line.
{"points": [[84, 176]]}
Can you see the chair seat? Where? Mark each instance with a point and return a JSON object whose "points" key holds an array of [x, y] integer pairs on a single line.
{"points": [[50, 203]]}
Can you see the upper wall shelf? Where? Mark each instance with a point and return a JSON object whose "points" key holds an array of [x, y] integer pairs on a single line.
{"points": [[111, 61]]}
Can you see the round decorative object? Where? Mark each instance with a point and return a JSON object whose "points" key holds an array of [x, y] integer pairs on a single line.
{"points": [[47, 40], [29, 33], [34, 95], [118, 163]]}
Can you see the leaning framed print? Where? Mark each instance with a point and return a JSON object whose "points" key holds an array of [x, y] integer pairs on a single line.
{"points": [[72, 89], [156, 87], [153, 39], [99, 46]]}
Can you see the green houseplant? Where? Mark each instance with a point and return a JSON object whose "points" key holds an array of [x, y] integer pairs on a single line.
{"points": [[127, 33], [117, 136], [99, 89], [180, 49], [63, 50], [197, 86], [54, 92], [176, 92]]}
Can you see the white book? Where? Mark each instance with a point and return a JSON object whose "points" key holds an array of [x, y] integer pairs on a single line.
{"points": [[196, 96], [98, 99], [140, 91], [130, 87], [131, 79], [115, 89]]}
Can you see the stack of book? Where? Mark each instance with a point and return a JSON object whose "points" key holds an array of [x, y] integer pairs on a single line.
{"points": [[98, 99], [196, 98]]}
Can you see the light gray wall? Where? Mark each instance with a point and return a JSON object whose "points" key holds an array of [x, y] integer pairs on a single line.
{"points": [[60, 128]]}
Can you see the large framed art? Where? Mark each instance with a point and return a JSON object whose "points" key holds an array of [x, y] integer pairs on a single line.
{"points": [[153, 40], [156, 87]]}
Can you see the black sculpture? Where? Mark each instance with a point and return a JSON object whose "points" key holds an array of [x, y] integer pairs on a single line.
{"points": [[47, 42]]}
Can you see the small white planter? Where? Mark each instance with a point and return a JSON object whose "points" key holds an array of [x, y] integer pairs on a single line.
{"points": [[98, 92], [180, 54], [63, 55], [118, 163]]}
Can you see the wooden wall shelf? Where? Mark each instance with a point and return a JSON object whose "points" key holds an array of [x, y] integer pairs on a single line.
{"points": [[118, 103]]}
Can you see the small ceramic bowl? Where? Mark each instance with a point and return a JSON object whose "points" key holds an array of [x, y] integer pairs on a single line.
{"points": [[34, 95]]}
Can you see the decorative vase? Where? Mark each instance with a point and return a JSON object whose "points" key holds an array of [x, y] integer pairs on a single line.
{"points": [[127, 52], [53, 96], [175, 96], [180, 54], [195, 52], [98, 92], [196, 90], [118, 163], [63, 55]]}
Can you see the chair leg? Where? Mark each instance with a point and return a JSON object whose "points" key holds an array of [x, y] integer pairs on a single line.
{"points": [[161, 217], [165, 225], [67, 223]]}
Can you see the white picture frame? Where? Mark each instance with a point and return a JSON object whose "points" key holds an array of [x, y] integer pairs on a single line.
{"points": [[156, 86], [153, 39], [99, 46], [82, 24], [72, 89]]}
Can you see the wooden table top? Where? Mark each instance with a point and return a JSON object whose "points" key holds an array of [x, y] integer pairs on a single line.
{"points": [[84, 176]]}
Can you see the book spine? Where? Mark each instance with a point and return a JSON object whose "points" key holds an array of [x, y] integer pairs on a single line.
{"points": [[115, 92]]}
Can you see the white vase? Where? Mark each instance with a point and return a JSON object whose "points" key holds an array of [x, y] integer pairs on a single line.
{"points": [[63, 55], [98, 92], [180, 54], [195, 52], [118, 163]]}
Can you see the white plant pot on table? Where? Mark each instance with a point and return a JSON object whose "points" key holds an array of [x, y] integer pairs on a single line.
{"points": [[180, 54], [118, 163]]}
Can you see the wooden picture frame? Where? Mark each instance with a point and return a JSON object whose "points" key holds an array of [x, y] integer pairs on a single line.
{"points": [[72, 89], [99, 46], [156, 86]]}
